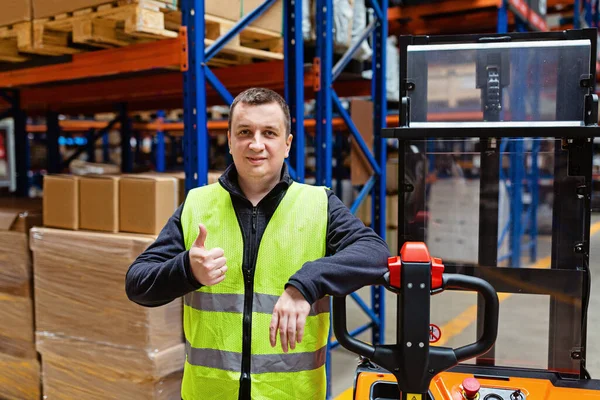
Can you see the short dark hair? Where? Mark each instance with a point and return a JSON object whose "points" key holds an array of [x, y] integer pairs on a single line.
{"points": [[258, 96]]}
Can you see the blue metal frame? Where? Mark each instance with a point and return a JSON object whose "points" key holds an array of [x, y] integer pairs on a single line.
{"points": [[126, 133], [160, 144], [91, 145], [293, 49], [195, 138], [105, 148], [324, 101], [52, 134], [326, 98]]}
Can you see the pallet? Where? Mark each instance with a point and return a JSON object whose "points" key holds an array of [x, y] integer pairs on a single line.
{"points": [[115, 24], [249, 45], [12, 38]]}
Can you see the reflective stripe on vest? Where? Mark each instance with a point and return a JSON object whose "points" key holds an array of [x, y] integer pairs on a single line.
{"points": [[213, 316]]}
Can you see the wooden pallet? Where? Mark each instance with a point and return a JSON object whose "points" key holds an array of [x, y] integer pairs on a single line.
{"points": [[249, 45], [115, 24], [12, 38]]}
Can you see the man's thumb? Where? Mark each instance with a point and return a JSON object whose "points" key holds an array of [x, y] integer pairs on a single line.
{"points": [[199, 242]]}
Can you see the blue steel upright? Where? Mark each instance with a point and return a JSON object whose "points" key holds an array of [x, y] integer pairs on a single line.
{"points": [[323, 112], [160, 144], [293, 49], [380, 149], [195, 137]]}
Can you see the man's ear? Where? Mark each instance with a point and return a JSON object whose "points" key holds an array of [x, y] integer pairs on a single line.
{"points": [[288, 145], [229, 141]]}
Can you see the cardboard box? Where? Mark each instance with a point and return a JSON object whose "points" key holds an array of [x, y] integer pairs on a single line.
{"points": [[17, 216], [361, 112], [76, 369], [391, 175], [146, 202], [19, 378], [99, 203], [234, 10], [17, 329], [49, 8], [79, 288], [14, 11], [61, 201], [391, 238]]}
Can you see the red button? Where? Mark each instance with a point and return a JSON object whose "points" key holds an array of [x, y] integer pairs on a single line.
{"points": [[471, 387]]}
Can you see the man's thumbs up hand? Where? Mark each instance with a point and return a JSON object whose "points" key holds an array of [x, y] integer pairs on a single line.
{"points": [[208, 266]]}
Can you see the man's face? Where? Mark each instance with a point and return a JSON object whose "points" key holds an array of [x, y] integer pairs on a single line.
{"points": [[258, 141]]}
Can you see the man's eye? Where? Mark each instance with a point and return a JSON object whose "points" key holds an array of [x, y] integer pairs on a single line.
{"points": [[270, 133], [244, 132]]}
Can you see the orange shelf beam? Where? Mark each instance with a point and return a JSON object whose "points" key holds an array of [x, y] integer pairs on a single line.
{"points": [[453, 7], [162, 54], [439, 8], [163, 90]]}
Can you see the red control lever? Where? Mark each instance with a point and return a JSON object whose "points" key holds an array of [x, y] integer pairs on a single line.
{"points": [[415, 252]]}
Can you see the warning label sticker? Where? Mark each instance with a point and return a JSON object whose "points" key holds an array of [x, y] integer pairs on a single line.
{"points": [[411, 396]]}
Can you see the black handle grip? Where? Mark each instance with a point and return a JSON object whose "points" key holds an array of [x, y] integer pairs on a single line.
{"points": [[341, 331], [490, 321]]}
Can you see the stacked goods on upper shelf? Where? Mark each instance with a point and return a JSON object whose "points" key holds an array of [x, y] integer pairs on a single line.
{"points": [[19, 365], [63, 27], [95, 343]]}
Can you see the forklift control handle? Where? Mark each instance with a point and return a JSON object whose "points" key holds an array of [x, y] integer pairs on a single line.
{"points": [[439, 359], [490, 319]]}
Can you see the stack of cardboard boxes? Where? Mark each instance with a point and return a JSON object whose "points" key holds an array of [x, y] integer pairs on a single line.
{"points": [[19, 365], [94, 342]]}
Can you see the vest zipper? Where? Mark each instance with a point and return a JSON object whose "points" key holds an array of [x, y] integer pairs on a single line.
{"points": [[245, 386]]}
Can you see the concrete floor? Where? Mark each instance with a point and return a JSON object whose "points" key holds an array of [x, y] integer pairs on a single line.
{"points": [[525, 346]]}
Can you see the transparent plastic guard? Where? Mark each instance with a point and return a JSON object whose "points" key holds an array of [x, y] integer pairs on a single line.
{"points": [[442, 208], [530, 81]]}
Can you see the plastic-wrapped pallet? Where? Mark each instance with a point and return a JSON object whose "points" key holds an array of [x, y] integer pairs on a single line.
{"points": [[392, 69], [19, 365], [342, 21], [94, 342], [78, 369], [359, 23]]}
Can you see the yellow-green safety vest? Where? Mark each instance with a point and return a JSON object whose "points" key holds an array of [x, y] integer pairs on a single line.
{"points": [[213, 315]]}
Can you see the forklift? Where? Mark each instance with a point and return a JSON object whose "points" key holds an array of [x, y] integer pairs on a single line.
{"points": [[558, 71]]}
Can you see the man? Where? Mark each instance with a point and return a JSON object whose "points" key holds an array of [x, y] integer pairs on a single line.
{"points": [[255, 255]]}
